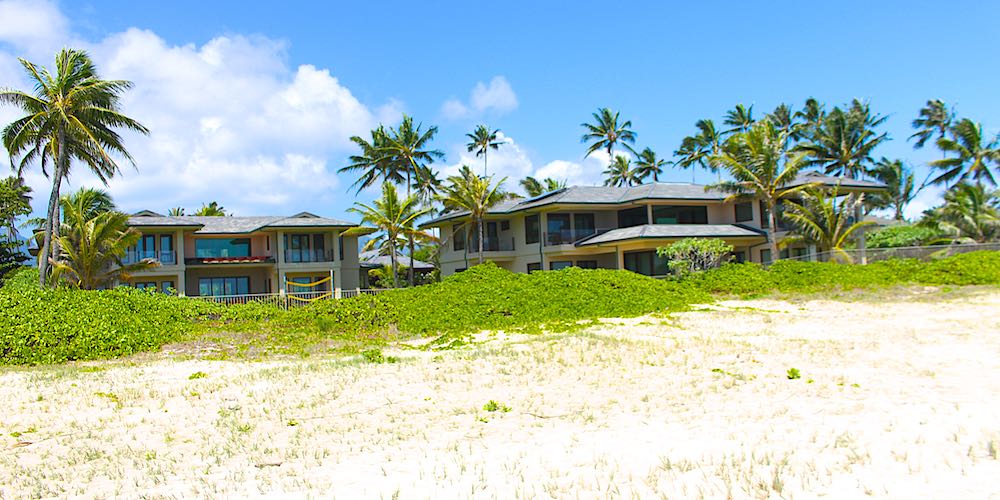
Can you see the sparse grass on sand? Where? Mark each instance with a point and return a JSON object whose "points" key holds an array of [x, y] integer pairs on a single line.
{"points": [[897, 394]]}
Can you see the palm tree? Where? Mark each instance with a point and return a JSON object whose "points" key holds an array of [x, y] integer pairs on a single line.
{"points": [[426, 185], [470, 192], [900, 181], [974, 158], [395, 218], [213, 209], [843, 142], [374, 161], [606, 133], [481, 141], [970, 213], [533, 187], [934, 119], [740, 118], [408, 151], [91, 201], [72, 115], [696, 150], [92, 246], [821, 219], [784, 120], [648, 165], [812, 115], [621, 173], [15, 201], [176, 212], [761, 167]]}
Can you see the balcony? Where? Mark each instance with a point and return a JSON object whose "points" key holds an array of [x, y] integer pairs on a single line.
{"points": [[570, 236], [211, 259], [493, 245], [164, 257], [313, 255]]}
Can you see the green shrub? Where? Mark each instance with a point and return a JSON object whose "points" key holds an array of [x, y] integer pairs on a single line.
{"points": [[901, 236], [691, 255]]}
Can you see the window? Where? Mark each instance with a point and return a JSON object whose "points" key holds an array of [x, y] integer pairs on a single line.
{"points": [[531, 229], [505, 225], [740, 256], [305, 280], [800, 252], [680, 215], [146, 285], [560, 264], [583, 225], [319, 247], [305, 248], [534, 266], [215, 287], [167, 255], [586, 264], [145, 248], [765, 256], [632, 217], [744, 212], [458, 237], [783, 254], [215, 248], [165, 286], [340, 247], [647, 263], [557, 226]]}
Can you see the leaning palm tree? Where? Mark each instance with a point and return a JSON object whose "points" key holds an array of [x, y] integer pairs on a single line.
{"points": [[72, 115], [843, 142], [474, 194], [395, 217], [696, 150], [648, 165], [899, 180], [739, 118], [621, 173], [481, 141], [606, 133], [932, 122], [213, 209], [533, 187], [761, 167], [970, 213], [374, 161], [92, 247], [819, 218], [974, 158]]}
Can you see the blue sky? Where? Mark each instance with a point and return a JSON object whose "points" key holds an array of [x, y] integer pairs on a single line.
{"points": [[252, 105]]}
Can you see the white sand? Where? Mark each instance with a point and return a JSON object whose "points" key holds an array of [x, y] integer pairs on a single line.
{"points": [[904, 402]]}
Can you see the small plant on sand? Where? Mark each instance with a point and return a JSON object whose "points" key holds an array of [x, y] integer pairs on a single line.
{"points": [[373, 356], [793, 374], [197, 375], [492, 405]]}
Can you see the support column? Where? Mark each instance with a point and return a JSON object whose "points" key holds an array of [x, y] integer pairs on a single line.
{"points": [[335, 283], [649, 214], [621, 259], [862, 249], [811, 252], [179, 255]]}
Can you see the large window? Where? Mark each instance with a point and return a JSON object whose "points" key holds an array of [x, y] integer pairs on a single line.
{"points": [[583, 225], [586, 264], [632, 217], [458, 237], [560, 264], [531, 229], [214, 287], [557, 229], [680, 215], [647, 263], [744, 212], [216, 248], [305, 248], [534, 266], [167, 255]]}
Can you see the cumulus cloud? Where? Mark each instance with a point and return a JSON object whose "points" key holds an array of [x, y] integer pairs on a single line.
{"points": [[229, 120], [497, 97], [34, 27]]}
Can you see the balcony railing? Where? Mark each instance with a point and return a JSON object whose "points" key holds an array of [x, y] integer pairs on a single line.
{"points": [[166, 257], [571, 236], [493, 245], [313, 255]]}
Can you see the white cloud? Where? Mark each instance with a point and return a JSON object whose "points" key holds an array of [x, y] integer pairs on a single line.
{"points": [[930, 197], [229, 121], [33, 26], [496, 97]]}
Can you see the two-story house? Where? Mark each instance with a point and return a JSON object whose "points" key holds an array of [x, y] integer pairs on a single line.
{"points": [[615, 227], [223, 256]]}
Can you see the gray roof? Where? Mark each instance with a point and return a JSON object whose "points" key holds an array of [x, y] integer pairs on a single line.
{"points": [[673, 231], [833, 181], [233, 225], [372, 259]]}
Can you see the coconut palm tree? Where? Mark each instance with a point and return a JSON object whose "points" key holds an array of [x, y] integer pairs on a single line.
{"points": [[15, 201], [395, 218], [72, 115], [92, 246], [374, 162], [784, 120], [621, 173], [606, 133], [474, 194], [970, 213], [648, 165], [426, 185], [843, 142], [900, 181], [761, 167], [176, 212], [740, 118], [811, 117], [481, 141], [974, 157], [696, 150], [213, 209], [821, 219], [533, 187], [932, 122], [91, 201]]}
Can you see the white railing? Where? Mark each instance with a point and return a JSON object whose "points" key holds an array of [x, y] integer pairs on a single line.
{"points": [[868, 255], [288, 299]]}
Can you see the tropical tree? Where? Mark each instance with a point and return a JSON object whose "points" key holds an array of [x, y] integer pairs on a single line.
{"points": [[15, 201], [72, 115], [92, 247], [426, 185], [824, 218], [374, 161], [970, 213], [606, 133], [481, 141], [176, 212], [648, 165], [91, 201], [621, 173], [213, 209], [533, 187], [843, 142], [900, 180], [474, 194], [811, 117], [696, 150], [932, 122], [783, 119], [974, 158], [395, 217], [740, 118], [762, 168]]}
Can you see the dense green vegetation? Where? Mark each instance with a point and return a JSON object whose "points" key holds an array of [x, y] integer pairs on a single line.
{"points": [[51, 326], [902, 236]]}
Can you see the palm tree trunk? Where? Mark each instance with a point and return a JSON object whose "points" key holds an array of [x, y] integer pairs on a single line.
{"points": [[53, 213], [409, 237], [772, 231], [392, 261], [480, 224]]}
